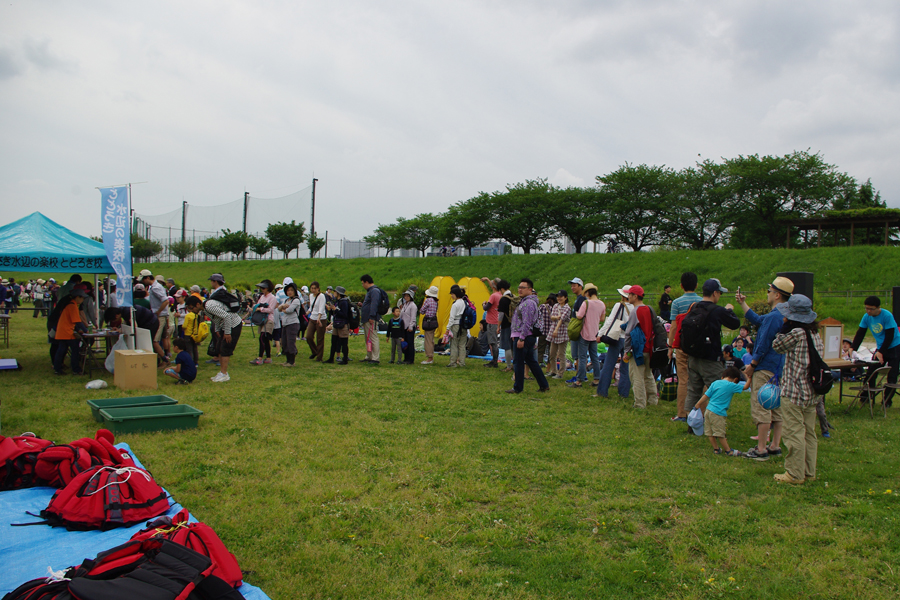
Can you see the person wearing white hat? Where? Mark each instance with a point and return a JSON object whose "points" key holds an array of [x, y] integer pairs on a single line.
{"points": [[37, 298], [611, 334]]}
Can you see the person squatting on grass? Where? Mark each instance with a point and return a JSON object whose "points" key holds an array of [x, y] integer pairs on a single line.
{"points": [[185, 369], [715, 402], [765, 364], [798, 400]]}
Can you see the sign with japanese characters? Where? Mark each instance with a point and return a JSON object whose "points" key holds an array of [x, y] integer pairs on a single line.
{"points": [[116, 227]]}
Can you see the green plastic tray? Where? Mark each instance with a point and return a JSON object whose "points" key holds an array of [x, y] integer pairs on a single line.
{"points": [[97, 405], [166, 417]]}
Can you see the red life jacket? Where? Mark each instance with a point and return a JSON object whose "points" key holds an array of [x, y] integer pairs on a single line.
{"points": [[196, 536], [18, 456], [58, 465], [105, 498]]}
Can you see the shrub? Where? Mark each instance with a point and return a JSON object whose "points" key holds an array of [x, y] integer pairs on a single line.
{"points": [[420, 294]]}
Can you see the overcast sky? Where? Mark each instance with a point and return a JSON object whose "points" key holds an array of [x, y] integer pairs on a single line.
{"points": [[401, 107]]}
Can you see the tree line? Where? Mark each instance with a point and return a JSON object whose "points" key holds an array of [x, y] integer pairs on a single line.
{"points": [[285, 237], [734, 203]]}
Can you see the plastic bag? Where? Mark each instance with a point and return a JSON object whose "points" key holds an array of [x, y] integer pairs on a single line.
{"points": [[97, 384], [111, 359]]}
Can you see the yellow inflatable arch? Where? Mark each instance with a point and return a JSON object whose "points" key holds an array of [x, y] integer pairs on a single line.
{"points": [[474, 288]]}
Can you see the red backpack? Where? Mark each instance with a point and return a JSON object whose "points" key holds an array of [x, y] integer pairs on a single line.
{"points": [[139, 569], [199, 537], [18, 456], [105, 498]]}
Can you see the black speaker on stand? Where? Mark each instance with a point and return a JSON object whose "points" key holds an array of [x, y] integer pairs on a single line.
{"points": [[803, 283], [895, 294]]}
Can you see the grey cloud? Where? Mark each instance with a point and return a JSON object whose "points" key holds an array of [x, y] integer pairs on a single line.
{"points": [[38, 53], [9, 66]]}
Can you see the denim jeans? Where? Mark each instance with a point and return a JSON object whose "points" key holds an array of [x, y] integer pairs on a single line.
{"points": [[609, 366], [587, 348], [526, 356]]}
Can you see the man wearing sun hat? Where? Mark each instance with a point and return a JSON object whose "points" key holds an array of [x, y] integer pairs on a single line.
{"points": [[765, 363], [706, 366]]}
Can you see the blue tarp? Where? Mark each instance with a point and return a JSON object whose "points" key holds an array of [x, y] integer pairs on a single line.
{"points": [[27, 552], [37, 244]]}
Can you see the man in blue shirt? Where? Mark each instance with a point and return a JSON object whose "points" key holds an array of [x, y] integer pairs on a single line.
{"points": [[680, 306], [887, 337], [765, 364]]}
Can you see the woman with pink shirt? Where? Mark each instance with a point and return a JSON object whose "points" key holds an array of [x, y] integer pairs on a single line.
{"points": [[591, 311], [267, 304]]}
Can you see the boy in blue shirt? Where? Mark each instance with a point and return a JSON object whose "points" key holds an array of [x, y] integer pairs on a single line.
{"points": [[185, 371], [715, 403], [887, 337], [395, 334]]}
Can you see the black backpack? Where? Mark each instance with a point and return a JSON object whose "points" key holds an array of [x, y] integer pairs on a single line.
{"points": [[354, 316], [384, 304], [660, 357], [469, 317], [820, 377], [231, 302], [697, 337]]}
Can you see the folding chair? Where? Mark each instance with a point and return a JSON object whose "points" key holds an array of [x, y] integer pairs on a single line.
{"points": [[874, 385], [89, 354]]}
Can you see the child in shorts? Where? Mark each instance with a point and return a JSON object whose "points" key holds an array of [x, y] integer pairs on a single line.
{"points": [[185, 370], [715, 403]]}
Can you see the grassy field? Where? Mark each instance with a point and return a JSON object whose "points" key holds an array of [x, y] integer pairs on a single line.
{"points": [[417, 482]]}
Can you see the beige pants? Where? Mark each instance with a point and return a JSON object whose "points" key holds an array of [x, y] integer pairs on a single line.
{"points": [[372, 336], [458, 346], [681, 367], [799, 435], [643, 384], [557, 352], [429, 345]]}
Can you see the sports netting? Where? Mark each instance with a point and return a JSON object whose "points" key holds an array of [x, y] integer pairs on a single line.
{"points": [[197, 223]]}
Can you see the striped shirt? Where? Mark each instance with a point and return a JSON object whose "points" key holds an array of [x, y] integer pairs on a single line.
{"points": [[223, 319], [682, 304]]}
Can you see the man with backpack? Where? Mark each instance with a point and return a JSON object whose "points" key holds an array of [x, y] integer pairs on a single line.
{"points": [[680, 306], [765, 364], [701, 339], [375, 304]]}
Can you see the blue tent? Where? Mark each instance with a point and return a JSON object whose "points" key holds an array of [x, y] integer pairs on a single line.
{"points": [[35, 243]]}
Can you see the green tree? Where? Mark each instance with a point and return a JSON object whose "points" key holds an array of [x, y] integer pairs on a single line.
{"points": [[211, 247], [259, 245], [702, 210], [314, 243], [388, 237], [636, 198], [520, 215], [142, 248], [580, 214], [467, 223], [286, 236], [419, 233], [769, 188], [182, 249], [234, 242]]}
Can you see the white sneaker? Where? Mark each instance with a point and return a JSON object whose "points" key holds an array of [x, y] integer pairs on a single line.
{"points": [[221, 377], [427, 362]]}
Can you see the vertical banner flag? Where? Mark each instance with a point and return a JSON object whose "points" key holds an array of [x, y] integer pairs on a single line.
{"points": [[117, 238]]}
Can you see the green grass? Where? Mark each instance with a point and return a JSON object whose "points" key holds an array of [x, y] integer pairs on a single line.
{"points": [[418, 482]]}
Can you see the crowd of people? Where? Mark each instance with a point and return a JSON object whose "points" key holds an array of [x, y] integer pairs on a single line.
{"points": [[571, 329]]}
